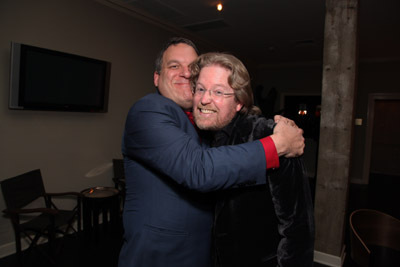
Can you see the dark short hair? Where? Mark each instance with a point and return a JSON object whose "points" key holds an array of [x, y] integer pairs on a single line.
{"points": [[239, 79], [172, 41]]}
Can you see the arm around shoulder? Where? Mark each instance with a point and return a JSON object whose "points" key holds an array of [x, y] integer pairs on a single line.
{"points": [[160, 136]]}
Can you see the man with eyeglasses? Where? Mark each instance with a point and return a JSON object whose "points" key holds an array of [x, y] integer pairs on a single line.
{"points": [[170, 171], [263, 225]]}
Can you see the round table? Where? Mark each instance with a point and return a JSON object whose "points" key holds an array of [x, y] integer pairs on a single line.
{"points": [[96, 200]]}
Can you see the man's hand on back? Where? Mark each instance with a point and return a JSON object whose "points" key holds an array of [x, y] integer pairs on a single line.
{"points": [[288, 138]]}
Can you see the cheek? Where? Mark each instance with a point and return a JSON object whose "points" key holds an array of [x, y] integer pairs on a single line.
{"points": [[227, 114], [196, 100], [170, 76]]}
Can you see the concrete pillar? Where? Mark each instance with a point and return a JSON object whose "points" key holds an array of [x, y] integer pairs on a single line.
{"points": [[337, 108]]}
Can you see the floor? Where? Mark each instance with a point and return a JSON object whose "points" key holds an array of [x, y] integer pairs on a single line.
{"points": [[381, 194], [77, 251]]}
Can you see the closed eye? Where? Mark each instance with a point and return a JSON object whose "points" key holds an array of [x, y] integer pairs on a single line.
{"points": [[173, 66], [218, 93]]}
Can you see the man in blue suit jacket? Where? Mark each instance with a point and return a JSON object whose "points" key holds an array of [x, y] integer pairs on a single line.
{"points": [[170, 172]]}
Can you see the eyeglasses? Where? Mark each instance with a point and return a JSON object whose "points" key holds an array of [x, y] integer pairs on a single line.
{"points": [[217, 94]]}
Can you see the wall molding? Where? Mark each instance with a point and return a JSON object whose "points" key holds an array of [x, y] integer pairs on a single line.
{"points": [[9, 248], [328, 259]]}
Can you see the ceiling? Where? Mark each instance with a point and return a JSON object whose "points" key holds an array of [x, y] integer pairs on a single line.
{"points": [[270, 32]]}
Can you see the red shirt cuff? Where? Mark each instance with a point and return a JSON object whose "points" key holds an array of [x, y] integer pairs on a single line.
{"points": [[271, 155]]}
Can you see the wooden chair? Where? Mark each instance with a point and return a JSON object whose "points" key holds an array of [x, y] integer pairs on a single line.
{"points": [[374, 238], [44, 221]]}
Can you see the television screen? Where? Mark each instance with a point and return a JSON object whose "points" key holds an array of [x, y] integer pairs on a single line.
{"points": [[43, 79]]}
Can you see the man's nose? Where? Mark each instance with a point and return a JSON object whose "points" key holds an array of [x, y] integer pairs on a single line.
{"points": [[185, 72], [206, 97]]}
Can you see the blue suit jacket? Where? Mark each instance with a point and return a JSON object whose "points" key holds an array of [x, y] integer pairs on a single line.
{"points": [[168, 212]]}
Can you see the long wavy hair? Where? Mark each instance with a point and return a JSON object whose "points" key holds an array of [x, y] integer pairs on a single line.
{"points": [[239, 79]]}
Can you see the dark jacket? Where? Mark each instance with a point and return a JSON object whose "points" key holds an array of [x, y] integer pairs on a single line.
{"points": [[269, 225]]}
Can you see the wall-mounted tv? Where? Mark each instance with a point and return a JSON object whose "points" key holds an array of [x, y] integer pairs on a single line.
{"points": [[44, 79]]}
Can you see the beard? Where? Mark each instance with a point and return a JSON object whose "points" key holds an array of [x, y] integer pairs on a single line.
{"points": [[213, 123]]}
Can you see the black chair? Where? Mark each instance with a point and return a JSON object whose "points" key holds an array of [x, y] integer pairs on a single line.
{"points": [[374, 238], [119, 177], [46, 221]]}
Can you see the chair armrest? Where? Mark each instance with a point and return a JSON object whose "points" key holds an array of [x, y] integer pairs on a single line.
{"points": [[77, 194], [50, 203]]}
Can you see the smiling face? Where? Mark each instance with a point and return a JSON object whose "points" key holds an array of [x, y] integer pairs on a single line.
{"points": [[210, 112], [173, 79]]}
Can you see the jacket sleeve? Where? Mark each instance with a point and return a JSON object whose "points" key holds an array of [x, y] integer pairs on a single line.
{"points": [[159, 135], [291, 196]]}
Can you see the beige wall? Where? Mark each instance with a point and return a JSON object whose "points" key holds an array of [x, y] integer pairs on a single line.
{"points": [[66, 146]]}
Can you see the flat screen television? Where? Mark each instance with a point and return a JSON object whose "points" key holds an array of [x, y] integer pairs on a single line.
{"points": [[44, 79]]}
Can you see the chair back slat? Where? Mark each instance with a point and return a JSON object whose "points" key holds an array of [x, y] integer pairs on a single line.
{"points": [[21, 190]]}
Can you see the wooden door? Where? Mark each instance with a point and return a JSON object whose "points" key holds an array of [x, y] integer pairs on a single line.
{"points": [[385, 143], [382, 146]]}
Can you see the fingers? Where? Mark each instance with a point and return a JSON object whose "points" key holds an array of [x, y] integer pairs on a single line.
{"points": [[288, 138], [287, 122], [291, 123], [278, 118]]}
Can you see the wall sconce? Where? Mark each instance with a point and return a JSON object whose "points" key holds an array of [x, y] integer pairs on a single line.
{"points": [[302, 110]]}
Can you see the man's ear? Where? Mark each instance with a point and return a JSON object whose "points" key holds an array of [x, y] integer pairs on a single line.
{"points": [[239, 107], [155, 78]]}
